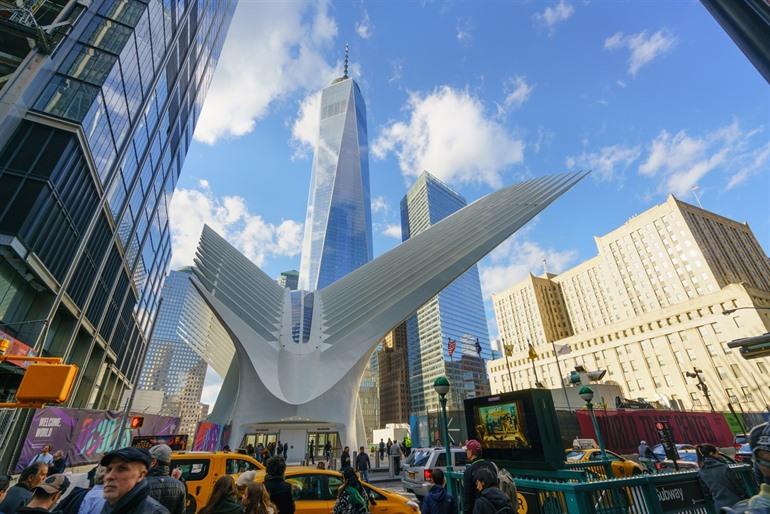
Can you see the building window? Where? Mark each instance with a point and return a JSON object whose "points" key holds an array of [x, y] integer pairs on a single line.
{"points": [[736, 370], [762, 368], [747, 394]]}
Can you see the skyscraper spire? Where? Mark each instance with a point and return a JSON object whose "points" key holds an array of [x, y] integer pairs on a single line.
{"points": [[347, 50]]}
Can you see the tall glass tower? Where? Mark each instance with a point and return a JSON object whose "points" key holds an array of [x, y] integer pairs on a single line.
{"points": [[96, 117], [338, 224], [456, 313], [187, 335]]}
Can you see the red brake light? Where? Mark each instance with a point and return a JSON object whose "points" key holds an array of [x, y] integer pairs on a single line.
{"points": [[427, 474]]}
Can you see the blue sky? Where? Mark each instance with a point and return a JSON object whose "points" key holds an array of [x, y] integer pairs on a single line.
{"points": [[653, 96]]}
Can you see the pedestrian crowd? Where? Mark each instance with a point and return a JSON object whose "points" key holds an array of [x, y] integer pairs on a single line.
{"points": [[137, 481]]}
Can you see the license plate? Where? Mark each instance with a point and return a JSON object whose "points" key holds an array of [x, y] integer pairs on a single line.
{"points": [[412, 474]]}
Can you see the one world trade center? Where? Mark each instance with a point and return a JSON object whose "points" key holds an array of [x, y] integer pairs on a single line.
{"points": [[338, 224]]}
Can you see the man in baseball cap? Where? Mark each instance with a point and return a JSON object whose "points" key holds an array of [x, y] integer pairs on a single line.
{"points": [[475, 463], [46, 494], [169, 491], [125, 487]]}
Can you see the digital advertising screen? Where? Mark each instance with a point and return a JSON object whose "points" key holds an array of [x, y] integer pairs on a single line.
{"points": [[502, 425], [518, 429]]}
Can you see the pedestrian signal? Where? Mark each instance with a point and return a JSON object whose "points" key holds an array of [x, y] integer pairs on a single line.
{"points": [[137, 421], [47, 383]]}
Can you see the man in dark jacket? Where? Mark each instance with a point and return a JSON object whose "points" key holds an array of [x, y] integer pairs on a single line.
{"points": [[717, 479], [470, 492], [761, 431], [125, 487], [363, 464], [18, 495], [345, 458], [169, 491], [5, 481], [438, 500], [278, 488], [491, 500], [46, 494]]}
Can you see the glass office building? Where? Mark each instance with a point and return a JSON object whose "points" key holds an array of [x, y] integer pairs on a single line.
{"points": [[95, 123], [338, 223], [186, 337], [456, 313]]}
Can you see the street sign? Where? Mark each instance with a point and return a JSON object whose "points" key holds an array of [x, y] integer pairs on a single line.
{"points": [[667, 440]]}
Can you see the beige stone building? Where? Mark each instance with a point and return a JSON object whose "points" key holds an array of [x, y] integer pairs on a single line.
{"points": [[648, 308]]}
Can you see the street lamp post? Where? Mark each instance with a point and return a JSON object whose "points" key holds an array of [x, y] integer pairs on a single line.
{"points": [[587, 394], [441, 386], [727, 312], [696, 373]]}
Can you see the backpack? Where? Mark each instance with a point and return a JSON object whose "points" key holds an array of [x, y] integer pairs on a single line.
{"points": [[505, 509], [507, 485]]}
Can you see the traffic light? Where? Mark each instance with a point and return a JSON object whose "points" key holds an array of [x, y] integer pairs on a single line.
{"points": [[752, 347], [137, 421], [47, 383]]}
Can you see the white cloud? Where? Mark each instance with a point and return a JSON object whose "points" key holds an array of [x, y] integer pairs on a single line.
{"points": [[230, 217], [510, 262], [273, 49], [643, 48], [680, 161], [211, 386], [517, 92], [554, 15], [379, 204], [365, 28], [758, 160], [304, 131], [393, 230], [464, 35], [449, 134], [607, 162], [397, 71]]}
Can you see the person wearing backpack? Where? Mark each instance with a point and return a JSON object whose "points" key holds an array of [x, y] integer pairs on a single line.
{"points": [[491, 500], [438, 500], [470, 492]]}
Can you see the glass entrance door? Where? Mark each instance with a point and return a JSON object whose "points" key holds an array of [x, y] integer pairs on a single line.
{"points": [[319, 440], [256, 439]]}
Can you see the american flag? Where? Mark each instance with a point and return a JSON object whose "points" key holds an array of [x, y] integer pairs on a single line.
{"points": [[451, 346]]}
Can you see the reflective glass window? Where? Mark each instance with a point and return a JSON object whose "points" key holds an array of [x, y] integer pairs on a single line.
{"points": [[88, 64], [67, 98], [106, 34], [124, 11], [116, 196], [131, 79], [97, 130], [115, 100], [157, 32], [144, 52]]}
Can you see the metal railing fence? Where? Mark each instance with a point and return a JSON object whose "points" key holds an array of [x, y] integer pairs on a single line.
{"points": [[585, 492]]}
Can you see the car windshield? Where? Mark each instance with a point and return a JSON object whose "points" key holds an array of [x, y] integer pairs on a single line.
{"points": [[745, 448], [574, 456], [740, 439], [686, 452], [418, 458]]}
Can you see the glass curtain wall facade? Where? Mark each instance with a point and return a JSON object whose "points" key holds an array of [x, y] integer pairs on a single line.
{"points": [[185, 338], [338, 223], [91, 148], [456, 313]]}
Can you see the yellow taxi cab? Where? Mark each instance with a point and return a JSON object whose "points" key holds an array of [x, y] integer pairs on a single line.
{"points": [[621, 467], [315, 491], [201, 469]]}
